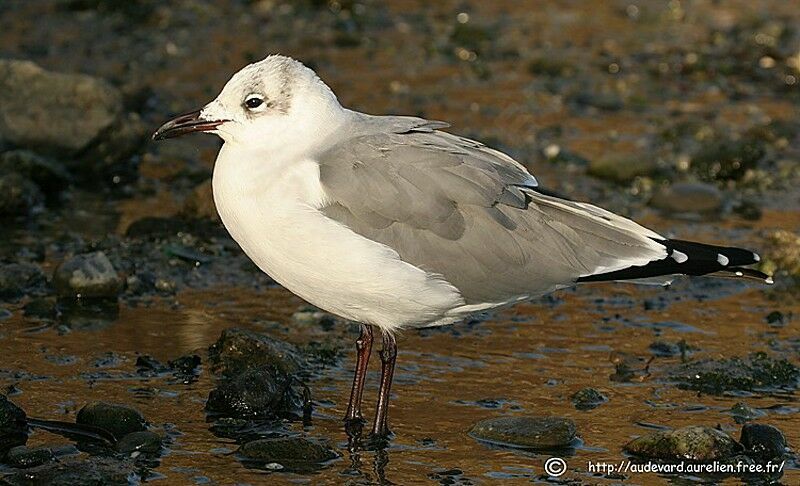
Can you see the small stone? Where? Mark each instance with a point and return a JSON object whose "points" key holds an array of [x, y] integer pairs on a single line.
{"points": [[623, 169], [144, 441], [763, 441], [13, 426], [693, 443], [89, 275], [26, 457], [60, 113], [685, 197], [743, 413], [239, 349], [776, 319], [526, 432], [120, 420], [50, 175], [43, 308], [18, 195], [261, 392], [289, 452], [76, 470], [18, 279], [757, 371], [588, 399]]}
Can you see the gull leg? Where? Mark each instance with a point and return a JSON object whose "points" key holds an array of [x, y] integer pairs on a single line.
{"points": [[388, 354], [363, 350]]}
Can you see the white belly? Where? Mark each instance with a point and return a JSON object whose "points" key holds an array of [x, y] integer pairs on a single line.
{"points": [[272, 215]]}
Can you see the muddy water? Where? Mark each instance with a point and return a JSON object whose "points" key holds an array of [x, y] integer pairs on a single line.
{"points": [[529, 360]]}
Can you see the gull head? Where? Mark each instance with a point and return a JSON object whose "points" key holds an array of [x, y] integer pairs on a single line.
{"points": [[276, 98]]}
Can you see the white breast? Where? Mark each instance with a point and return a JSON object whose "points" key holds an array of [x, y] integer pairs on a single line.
{"points": [[270, 209]]}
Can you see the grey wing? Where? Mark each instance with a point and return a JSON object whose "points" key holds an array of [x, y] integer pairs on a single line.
{"points": [[456, 208]]}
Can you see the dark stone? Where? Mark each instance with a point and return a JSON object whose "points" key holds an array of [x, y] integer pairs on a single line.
{"points": [[25, 457], [763, 441], [293, 453], [776, 319], [144, 441], [185, 365], [623, 169], [526, 432], [743, 413], [13, 426], [260, 392], [693, 443], [18, 279], [60, 113], [94, 471], [687, 197], [18, 195], [44, 308], [239, 349], [89, 275], [757, 371], [120, 420], [588, 399], [50, 175]]}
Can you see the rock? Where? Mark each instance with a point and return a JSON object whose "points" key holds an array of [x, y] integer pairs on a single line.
{"points": [[290, 452], [13, 426], [588, 399], [782, 254], [122, 140], [724, 159], [763, 441], [526, 432], [687, 197], [623, 169], [239, 349], [49, 174], [18, 195], [200, 203], [743, 413], [144, 441], [120, 420], [694, 443], [757, 371], [261, 392], [71, 471], [18, 279], [25, 457], [257, 376], [89, 275], [60, 113]]}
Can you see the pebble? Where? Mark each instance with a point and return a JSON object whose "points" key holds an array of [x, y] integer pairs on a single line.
{"points": [[526, 432]]}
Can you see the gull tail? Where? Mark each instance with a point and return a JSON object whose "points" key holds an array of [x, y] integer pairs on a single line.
{"points": [[689, 258]]}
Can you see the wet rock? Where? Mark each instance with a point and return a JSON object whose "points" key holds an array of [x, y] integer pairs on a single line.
{"points": [[49, 174], [200, 203], [743, 413], [25, 457], [239, 349], [777, 319], [782, 254], [257, 376], [103, 158], [13, 426], [89, 275], [290, 452], [61, 113], [18, 279], [623, 169], [763, 441], [724, 159], [693, 443], [72, 471], [44, 309], [757, 371], [588, 399], [120, 420], [526, 432], [687, 197], [143, 441], [18, 195]]}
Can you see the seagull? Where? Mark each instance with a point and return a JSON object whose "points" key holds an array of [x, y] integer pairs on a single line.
{"points": [[393, 223]]}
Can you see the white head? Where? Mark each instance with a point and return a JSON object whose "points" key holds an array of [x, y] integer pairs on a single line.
{"points": [[276, 99]]}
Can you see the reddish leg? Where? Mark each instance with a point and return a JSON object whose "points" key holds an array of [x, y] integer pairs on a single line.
{"points": [[388, 354], [363, 350]]}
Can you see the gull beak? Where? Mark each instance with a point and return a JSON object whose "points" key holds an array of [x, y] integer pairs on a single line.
{"points": [[183, 124]]}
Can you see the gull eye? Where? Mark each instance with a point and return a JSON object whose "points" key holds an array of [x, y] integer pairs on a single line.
{"points": [[253, 101]]}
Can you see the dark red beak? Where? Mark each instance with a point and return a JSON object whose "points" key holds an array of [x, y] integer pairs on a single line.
{"points": [[183, 124]]}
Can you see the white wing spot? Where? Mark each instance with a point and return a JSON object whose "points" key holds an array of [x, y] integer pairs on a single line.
{"points": [[679, 256], [756, 257], [722, 259], [769, 280], [739, 274]]}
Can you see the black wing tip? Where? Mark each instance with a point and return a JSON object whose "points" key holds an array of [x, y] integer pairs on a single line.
{"points": [[690, 258]]}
